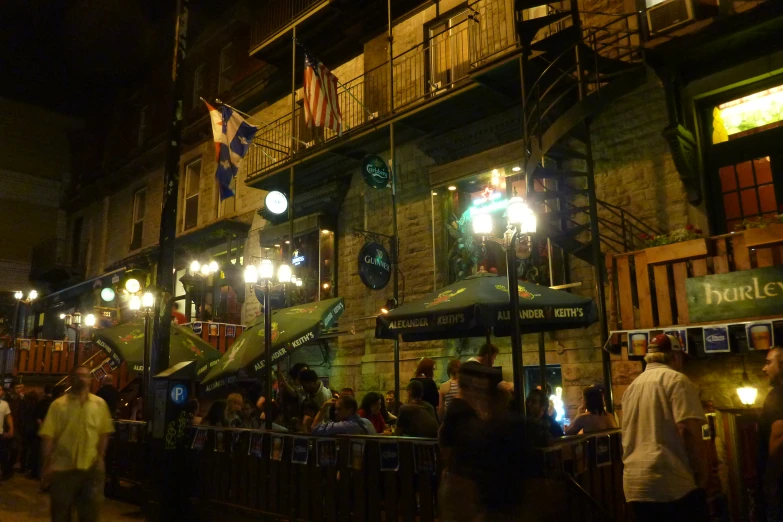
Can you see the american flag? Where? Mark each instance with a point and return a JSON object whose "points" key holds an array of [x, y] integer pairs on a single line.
{"points": [[320, 97]]}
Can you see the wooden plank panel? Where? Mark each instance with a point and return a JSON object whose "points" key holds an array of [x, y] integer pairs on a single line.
{"points": [[764, 237], [680, 273], [643, 290], [720, 262], [677, 251], [610, 269], [40, 348], [47, 357], [662, 292], [24, 355], [741, 253], [625, 292], [699, 267], [764, 257]]}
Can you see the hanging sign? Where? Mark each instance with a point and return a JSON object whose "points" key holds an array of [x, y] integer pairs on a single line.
{"points": [[735, 295], [374, 266], [276, 202], [375, 171]]}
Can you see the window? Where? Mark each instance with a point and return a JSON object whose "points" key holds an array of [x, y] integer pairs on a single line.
{"points": [[139, 204], [228, 205], [747, 190], [226, 69], [198, 84], [449, 51], [192, 179], [748, 115], [142, 126]]}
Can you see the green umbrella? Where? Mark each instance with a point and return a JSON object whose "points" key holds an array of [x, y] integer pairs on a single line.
{"points": [[125, 342], [479, 304], [291, 328]]}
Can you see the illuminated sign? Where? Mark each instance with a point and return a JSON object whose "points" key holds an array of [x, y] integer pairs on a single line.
{"points": [[492, 202], [276, 202], [297, 260]]}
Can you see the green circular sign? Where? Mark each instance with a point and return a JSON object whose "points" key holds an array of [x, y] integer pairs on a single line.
{"points": [[375, 171]]}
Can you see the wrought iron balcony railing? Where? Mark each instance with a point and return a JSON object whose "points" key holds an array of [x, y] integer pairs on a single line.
{"points": [[276, 15], [421, 74]]}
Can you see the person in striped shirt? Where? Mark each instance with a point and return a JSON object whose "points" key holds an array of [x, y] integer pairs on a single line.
{"points": [[449, 389]]}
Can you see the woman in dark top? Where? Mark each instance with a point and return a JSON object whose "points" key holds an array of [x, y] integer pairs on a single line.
{"points": [[424, 372], [217, 414], [371, 410]]}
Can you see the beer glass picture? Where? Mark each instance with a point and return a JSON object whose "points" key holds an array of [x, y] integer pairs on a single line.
{"points": [[759, 336], [357, 454], [277, 448], [637, 343]]}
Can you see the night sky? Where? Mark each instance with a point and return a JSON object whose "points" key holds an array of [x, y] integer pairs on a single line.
{"points": [[72, 55]]}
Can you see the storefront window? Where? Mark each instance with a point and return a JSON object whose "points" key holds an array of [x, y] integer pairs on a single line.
{"points": [[457, 205], [748, 115], [748, 191], [312, 261]]}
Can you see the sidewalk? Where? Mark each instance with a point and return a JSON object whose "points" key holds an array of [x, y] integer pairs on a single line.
{"points": [[22, 501]]}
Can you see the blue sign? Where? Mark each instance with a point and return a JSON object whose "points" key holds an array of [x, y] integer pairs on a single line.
{"points": [[179, 394], [716, 339]]}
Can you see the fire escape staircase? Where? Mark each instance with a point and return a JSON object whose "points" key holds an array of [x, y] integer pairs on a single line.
{"points": [[579, 70]]}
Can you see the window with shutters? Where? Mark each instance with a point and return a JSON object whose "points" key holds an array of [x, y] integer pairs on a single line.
{"points": [[192, 180], [137, 230]]}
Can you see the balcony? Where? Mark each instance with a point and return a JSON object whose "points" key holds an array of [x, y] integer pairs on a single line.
{"points": [[58, 260], [428, 73], [277, 16], [647, 288]]}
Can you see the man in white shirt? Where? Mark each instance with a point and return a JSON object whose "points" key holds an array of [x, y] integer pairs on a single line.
{"points": [[664, 456], [314, 388], [6, 437]]}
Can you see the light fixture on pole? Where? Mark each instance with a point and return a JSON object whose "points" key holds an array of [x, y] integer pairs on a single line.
{"points": [[132, 285], [747, 392], [74, 322], [195, 267], [144, 306], [18, 295], [266, 272]]}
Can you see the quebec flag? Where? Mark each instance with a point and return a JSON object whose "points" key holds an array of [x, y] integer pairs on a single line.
{"points": [[233, 136]]}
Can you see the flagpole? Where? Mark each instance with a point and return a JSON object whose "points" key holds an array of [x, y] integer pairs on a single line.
{"points": [[291, 168], [249, 117]]}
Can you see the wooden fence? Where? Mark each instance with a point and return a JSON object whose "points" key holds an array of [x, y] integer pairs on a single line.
{"points": [[46, 356], [223, 476], [647, 287]]}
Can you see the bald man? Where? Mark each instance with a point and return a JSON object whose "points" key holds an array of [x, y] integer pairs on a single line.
{"points": [[109, 393]]}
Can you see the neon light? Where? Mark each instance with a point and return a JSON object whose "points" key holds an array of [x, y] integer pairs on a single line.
{"points": [[488, 207]]}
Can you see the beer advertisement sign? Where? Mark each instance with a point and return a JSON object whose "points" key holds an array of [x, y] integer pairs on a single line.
{"points": [[735, 295], [761, 335]]}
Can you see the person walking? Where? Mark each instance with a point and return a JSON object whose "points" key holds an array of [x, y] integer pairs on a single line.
{"points": [[770, 452], [109, 393], [664, 457], [74, 435], [449, 389]]}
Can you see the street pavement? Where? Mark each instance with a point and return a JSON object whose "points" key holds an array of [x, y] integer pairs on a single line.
{"points": [[22, 501]]}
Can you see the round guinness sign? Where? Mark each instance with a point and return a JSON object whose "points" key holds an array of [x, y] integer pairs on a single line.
{"points": [[375, 171], [374, 266]]}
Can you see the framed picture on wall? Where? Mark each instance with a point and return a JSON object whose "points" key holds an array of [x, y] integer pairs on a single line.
{"points": [[58, 346], [214, 330], [231, 330]]}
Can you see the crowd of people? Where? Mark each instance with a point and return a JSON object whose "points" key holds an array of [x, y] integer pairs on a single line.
{"points": [[485, 446]]}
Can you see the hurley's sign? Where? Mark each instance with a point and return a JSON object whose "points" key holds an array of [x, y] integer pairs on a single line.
{"points": [[736, 295]]}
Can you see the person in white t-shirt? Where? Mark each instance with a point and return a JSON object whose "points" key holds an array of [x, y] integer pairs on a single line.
{"points": [[664, 457], [6, 437]]}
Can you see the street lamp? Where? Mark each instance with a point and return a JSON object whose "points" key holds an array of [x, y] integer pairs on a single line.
{"points": [[74, 322], [144, 306], [18, 295], [520, 223], [266, 271]]}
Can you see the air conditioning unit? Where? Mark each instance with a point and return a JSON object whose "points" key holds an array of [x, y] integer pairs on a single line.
{"points": [[669, 14]]}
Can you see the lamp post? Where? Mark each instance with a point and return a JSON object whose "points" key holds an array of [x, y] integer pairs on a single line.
{"points": [[144, 306], [200, 272], [32, 296], [74, 322], [4, 360], [266, 271], [521, 223]]}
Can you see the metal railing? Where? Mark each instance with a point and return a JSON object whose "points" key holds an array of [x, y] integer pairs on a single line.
{"points": [[421, 74], [275, 15]]}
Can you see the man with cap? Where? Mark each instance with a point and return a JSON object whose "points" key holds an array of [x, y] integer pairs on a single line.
{"points": [[664, 456]]}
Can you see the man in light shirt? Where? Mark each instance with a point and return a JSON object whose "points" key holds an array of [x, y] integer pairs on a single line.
{"points": [[6, 437], [74, 437], [664, 456]]}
